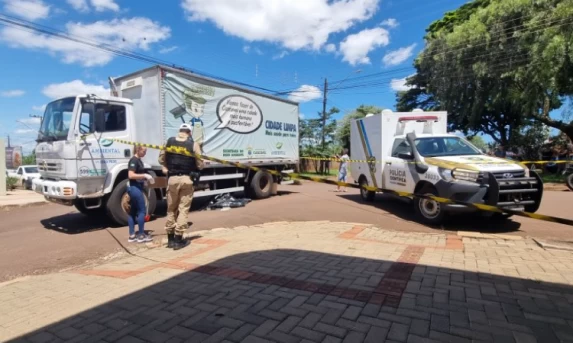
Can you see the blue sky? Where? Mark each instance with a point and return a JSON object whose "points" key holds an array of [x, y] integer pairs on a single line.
{"points": [[276, 44]]}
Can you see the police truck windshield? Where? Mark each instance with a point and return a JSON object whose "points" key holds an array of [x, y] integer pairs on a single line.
{"points": [[56, 121], [444, 146]]}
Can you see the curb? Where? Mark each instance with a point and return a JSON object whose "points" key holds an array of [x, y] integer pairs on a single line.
{"points": [[551, 246], [30, 204]]}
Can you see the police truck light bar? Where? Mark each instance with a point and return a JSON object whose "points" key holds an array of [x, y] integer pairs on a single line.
{"points": [[418, 118]]}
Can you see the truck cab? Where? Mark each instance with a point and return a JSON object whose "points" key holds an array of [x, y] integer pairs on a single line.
{"points": [[78, 161], [411, 153]]}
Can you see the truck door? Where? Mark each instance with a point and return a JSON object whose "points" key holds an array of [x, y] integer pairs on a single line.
{"points": [[397, 174], [97, 154]]}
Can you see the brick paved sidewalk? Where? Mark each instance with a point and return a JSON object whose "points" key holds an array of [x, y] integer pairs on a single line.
{"points": [[305, 282]]}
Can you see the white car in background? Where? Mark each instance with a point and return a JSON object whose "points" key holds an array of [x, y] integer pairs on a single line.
{"points": [[25, 175]]}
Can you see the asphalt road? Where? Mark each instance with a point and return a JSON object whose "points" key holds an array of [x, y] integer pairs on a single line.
{"points": [[51, 237]]}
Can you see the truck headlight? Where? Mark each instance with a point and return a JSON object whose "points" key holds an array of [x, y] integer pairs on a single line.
{"points": [[446, 174], [465, 175]]}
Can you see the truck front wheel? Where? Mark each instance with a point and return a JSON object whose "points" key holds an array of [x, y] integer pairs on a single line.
{"points": [[117, 206], [429, 211], [81, 207]]}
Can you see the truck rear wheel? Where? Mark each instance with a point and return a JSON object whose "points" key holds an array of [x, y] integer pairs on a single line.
{"points": [[261, 185], [117, 205], [364, 193], [429, 211]]}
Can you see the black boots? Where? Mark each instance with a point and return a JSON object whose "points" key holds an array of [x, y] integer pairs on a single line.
{"points": [[179, 242], [170, 240]]}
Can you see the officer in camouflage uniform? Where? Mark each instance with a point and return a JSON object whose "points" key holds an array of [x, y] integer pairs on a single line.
{"points": [[181, 172]]}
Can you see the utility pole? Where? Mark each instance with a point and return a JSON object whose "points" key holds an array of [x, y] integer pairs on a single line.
{"points": [[2, 168], [8, 136], [324, 110]]}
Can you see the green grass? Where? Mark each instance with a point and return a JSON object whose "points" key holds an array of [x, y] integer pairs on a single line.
{"points": [[332, 173], [553, 178]]}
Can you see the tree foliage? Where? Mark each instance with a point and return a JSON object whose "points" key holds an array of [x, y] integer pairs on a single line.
{"points": [[29, 159], [312, 133], [495, 65], [343, 132]]}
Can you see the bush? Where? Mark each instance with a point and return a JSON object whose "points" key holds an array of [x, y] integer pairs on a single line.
{"points": [[11, 183]]}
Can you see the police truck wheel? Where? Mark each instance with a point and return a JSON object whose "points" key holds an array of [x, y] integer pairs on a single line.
{"points": [[569, 182], [364, 193], [117, 205], [261, 185], [429, 211]]}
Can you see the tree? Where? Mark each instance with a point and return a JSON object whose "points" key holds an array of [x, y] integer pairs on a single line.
{"points": [[497, 65], [312, 133], [478, 141], [343, 132], [29, 159]]}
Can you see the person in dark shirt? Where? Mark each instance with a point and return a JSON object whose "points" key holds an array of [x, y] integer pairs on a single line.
{"points": [[137, 179]]}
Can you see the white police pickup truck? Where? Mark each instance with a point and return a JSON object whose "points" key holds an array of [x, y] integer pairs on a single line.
{"points": [[412, 152]]}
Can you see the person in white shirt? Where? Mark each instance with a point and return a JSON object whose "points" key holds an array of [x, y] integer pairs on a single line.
{"points": [[343, 169]]}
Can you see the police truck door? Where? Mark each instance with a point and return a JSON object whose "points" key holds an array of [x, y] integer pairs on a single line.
{"points": [[396, 172]]}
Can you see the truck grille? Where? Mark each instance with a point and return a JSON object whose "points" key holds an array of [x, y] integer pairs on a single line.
{"points": [[49, 167], [509, 174], [513, 189]]}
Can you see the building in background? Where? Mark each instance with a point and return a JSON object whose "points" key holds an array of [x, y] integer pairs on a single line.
{"points": [[13, 157]]}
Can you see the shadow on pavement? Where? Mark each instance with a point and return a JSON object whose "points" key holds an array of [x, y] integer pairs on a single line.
{"points": [[457, 222], [76, 223], [291, 295]]}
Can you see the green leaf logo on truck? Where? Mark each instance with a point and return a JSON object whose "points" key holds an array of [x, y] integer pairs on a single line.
{"points": [[106, 142], [279, 145]]}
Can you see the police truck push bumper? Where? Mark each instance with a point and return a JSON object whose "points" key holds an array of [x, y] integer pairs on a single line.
{"points": [[520, 193], [61, 192]]}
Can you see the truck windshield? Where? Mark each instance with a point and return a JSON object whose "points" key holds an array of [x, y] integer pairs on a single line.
{"points": [[445, 146], [56, 121], [31, 170]]}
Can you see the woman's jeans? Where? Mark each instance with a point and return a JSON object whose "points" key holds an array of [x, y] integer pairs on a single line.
{"points": [[137, 213]]}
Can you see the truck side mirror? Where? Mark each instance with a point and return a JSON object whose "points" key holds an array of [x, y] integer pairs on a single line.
{"points": [[405, 155]]}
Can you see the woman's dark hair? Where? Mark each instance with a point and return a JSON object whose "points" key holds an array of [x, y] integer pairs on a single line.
{"points": [[344, 151]]}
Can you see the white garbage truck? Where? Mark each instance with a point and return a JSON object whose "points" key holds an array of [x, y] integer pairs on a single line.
{"points": [[82, 164], [412, 152]]}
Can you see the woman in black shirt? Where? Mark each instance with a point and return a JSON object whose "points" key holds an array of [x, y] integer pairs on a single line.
{"points": [[137, 178]]}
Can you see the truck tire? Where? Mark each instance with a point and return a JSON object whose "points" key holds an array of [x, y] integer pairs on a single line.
{"points": [[429, 211], [261, 185], [365, 194], [116, 204], [569, 182]]}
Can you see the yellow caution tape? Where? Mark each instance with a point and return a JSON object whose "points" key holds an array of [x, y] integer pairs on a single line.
{"points": [[482, 207], [465, 162]]}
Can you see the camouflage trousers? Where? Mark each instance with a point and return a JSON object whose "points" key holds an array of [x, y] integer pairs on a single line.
{"points": [[179, 197]]}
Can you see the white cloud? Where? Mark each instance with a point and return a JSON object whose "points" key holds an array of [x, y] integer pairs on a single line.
{"points": [[23, 131], [27, 9], [168, 50], [301, 116], [130, 34], [390, 22], [246, 49], [330, 47], [292, 24], [98, 5], [31, 121], [399, 84], [305, 93], [396, 57], [79, 5], [280, 55], [12, 93], [39, 108], [102, 5], [356, 47], [60, 90]]}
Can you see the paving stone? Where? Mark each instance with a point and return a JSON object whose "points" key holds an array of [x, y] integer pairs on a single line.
{"points": [[398, 332], [521, 337], [331, 339], [308, 334], [353, 326], [354, 336], [283, 337], [440, 323], [241, 333], [352, 312], [376, 334], [330, 330], [420, 327]]}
